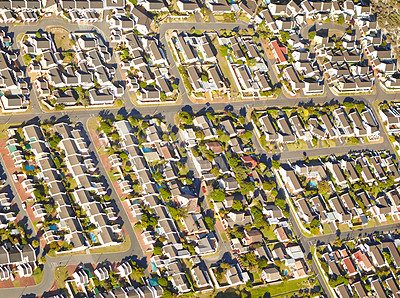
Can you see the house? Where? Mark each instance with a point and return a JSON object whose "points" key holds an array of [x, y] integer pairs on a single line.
{"points": [[305, 212], [81, 278], [342, 291], [281, 234], [362, 261], [234, 275], [142, 20], [391, 248], [124, 269], [279, 52], [337, 174], [268, 129], [252, 236], [201, 277], [349, 267], [180, 283], [340, 214], [187, 6], [290, 179], [376, 256], [228, 184], [271, 275], [194, 224], [228, 128]]}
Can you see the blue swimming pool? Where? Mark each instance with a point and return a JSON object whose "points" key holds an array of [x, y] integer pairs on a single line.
{"points": [[94, 239], [30, 168], [313, 183], [146, 149]]}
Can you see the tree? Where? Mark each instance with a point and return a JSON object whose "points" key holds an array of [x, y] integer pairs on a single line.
{"points": [[218, 195], [284, 36], [162, 282], [210, 223], [241, 172], [223, 50], [269, 184], [323, 187], [237, 205], [177, 213], [315, 223], [119, 117], [311, 35], [35, 243], [340, 20], [60, 107], [246, 187], [157, 251], [42, 260], [275, 164], [247, 135], [215, 171], [262, 263], [281, 203], [165, 193]]}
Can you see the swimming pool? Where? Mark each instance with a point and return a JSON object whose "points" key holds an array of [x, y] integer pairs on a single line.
{"points": [[313, 183], [94, 239], [146, 149]]}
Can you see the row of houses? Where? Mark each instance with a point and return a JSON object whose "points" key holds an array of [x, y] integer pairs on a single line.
{"points": [[247, 66], [339, 124], [13, 83], [193, 227], [198, 56], [144, 66], [81, 168], [345, 60], [344, 207], [65, 77], [83, 276], [366, 259]]}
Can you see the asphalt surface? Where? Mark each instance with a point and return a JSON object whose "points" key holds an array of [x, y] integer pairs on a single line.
{"points": [[167, 112]]}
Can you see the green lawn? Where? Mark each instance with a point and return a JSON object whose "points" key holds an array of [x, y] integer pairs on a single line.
{"points": [[328, 143], [268, 233], [326, 229], [38, 277], [352, 141], [223, 64], [299, 145], [224, 237], [284, 287], [3, 131], [113, 177], [60, 276], [343, 227], [111, 249], [72, 183]]}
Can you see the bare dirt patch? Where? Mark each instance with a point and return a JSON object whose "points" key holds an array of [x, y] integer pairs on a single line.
{"points": [[60, 37]]}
